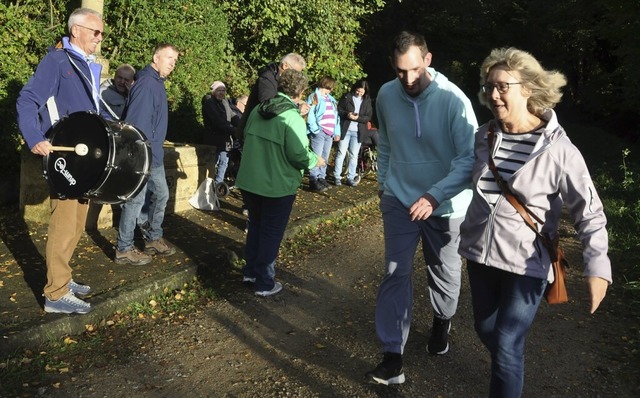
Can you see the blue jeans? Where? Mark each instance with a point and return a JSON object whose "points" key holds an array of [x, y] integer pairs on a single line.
{"points": [[440, 237], [267, 222], [321, 146], [222, 163], [158, 198], [349, 141], [504, 305]]}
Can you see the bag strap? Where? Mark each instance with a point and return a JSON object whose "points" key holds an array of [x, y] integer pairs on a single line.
{"points": [[92, 87], [520, 207]]}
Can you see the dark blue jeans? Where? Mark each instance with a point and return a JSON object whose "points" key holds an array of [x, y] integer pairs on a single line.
{"points": [[504, 305], [154, 216], [268, 219]]}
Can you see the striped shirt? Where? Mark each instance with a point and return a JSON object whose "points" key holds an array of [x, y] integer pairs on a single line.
{"points": [[513, 152], [328, 120]]}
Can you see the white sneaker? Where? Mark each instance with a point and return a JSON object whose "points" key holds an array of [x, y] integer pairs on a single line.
{"points": [[277, 287], [79, 289], [67, 304]]}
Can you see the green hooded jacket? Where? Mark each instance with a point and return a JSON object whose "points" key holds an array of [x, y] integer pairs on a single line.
{"points": [[276, 149]]}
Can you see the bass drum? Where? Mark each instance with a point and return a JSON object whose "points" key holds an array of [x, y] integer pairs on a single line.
{"points": [[113, 171]]}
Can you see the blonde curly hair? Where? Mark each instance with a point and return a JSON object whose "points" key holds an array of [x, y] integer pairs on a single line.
{"points": [[544, 84]]}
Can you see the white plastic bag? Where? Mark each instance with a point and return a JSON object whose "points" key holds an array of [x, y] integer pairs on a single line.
{"points": [[205, 197]]}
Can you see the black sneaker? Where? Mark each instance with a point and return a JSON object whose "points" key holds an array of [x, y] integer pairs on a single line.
{"points": [[324, 183], [439, 340], [389, 371], [316, 186]]}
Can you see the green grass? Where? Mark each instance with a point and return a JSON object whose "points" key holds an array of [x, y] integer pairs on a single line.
{"points": [[615, 168]]}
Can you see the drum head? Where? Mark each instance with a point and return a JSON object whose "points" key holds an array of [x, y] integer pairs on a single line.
{"points": [[71, 175]]}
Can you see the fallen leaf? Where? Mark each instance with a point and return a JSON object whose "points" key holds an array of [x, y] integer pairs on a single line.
{"points": [[69, 340]]}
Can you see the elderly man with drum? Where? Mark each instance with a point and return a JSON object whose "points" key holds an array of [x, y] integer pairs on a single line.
{"points": [[67, 80]]}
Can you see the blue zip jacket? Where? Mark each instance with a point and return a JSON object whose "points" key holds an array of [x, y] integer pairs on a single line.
{"points": [[56, 76], [148, 110], [316, 111], [426, 144]]}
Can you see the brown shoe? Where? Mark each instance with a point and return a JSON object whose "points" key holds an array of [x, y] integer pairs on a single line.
{"points": [[133, 256], [159, 246]]}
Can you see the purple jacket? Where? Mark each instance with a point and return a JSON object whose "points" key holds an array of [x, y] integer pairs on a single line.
{"points": [[55, 76]]}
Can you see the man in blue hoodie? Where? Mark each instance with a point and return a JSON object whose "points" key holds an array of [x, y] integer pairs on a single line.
{"points": [[67, 80], [425, 157], [148, 110]]}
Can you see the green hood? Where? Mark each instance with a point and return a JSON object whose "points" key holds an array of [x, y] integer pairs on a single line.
{"points": [[275, 106]]}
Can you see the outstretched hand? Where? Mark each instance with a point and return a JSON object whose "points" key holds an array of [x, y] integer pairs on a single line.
{"points": [[597, 288]]}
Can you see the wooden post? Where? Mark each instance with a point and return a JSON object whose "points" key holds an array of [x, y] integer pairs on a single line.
{"points": [[98, 5]]}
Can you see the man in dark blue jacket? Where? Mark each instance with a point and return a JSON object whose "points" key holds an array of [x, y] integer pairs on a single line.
{"points": [[67, 80], [148, 110]]}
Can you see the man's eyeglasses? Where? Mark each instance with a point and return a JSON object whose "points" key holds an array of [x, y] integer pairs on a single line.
{"points": [[500, 86], [96, 32]]}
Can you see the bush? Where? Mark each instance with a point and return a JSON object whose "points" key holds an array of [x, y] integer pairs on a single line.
{"points": [[25, 36]]}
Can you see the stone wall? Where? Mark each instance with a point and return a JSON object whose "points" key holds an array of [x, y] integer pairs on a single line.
{"points": [[185, 166]]}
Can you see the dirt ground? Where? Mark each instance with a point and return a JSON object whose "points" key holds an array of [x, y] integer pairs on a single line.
{"points": [[317, 339]]}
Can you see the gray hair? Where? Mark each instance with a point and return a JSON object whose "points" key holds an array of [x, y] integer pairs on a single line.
{"points": [[293, 59], [79, 14], [292, 83], [544, 84], [126, 68]]}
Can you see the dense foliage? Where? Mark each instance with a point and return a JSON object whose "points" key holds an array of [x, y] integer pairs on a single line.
{"points": [[197, 28], [593, 42], [24, 30], [219, 40]]}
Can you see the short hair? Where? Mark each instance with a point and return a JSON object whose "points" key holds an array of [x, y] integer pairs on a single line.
{"points": [[161, 46], [327, 82], [405, 40], [544, 84], [79, 14], [292, 83], [294, 59], [126, 68], [362, 83]]}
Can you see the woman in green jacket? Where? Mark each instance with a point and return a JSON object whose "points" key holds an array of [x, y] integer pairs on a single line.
{"points": [[275, 155]]}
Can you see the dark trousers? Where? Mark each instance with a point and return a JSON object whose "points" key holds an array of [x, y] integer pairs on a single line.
{"points": [[268, 219]]}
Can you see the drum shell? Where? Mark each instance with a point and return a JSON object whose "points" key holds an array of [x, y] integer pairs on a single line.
{"points": [[115, 169]]}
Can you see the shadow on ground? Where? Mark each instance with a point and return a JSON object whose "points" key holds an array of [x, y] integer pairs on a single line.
{"points": [[205, 242]]}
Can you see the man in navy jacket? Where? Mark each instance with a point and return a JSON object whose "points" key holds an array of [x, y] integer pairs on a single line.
{"points": [[148, 110], [67, 80]]}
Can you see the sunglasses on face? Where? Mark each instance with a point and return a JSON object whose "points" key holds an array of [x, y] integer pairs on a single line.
{"points": [[96, 32]]}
